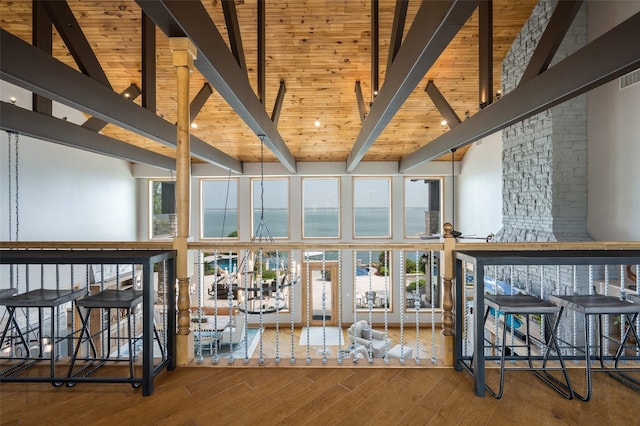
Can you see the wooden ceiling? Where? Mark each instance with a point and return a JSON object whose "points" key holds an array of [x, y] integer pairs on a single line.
{"points": [[319, 48]]}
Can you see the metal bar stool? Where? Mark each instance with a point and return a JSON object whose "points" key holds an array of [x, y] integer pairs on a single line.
{"points": [[527, 305], [41, 298], [599, 305], [107, 299]]}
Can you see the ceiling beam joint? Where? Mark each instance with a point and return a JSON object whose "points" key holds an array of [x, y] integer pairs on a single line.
{"points": [[218, 66], [433, 28], [559, 23], [604, 59]]}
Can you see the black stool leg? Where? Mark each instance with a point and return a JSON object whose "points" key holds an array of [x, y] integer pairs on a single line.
{"points": [[21, 365], [498, 395], [565, 388], [618, 374], [83, 330], [53, 347], [131, 348], [587, 357]]}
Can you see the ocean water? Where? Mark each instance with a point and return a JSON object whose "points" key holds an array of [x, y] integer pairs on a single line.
{"points": [[370, 222], [217, 224], [321, 222]]}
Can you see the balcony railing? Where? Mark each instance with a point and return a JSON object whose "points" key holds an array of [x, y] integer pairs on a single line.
{"points": [[289, 297]]}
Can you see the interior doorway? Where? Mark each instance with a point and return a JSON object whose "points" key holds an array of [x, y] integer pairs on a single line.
{"points": [[322, 294]]}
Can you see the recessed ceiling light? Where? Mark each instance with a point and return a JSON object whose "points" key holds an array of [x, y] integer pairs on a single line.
{"points": [[317, 123], [194, 125], [127, 95], [13, 99], [443, 122]]}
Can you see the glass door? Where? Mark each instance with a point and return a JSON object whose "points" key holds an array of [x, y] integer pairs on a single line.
{"points": [[321, 293]]}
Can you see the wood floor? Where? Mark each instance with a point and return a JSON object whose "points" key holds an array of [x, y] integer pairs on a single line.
{"points": [[424, 394], [317, 396]]}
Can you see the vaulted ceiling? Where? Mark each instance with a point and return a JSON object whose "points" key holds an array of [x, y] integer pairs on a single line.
{"points": [[315, 52]]}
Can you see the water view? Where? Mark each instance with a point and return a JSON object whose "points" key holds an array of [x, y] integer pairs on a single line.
{"points": [[370, 222]]}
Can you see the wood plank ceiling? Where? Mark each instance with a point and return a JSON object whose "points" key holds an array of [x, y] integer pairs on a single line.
{"points": [[319, 48]]}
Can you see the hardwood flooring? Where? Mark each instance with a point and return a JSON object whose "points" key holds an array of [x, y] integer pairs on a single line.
{"points": [[316, 396], [424, 394]]}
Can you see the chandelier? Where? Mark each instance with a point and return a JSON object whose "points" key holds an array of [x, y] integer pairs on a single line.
{"points": [[263, 275]]}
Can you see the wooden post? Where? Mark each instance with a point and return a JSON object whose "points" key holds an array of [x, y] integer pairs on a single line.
{"points": [[184, 53], [447, 267]]}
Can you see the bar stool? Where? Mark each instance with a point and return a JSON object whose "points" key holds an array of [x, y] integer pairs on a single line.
{"points": [[40, 298], [599, 305], [525, 304], [107, 299]]}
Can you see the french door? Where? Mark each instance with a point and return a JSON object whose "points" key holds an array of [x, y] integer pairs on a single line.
{"points": [[320, 296]]}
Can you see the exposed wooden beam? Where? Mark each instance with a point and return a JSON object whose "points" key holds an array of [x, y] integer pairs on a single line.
{"points": [[360, 99], [148, 63], [397, 30], [559, 23], [433, 28], [97, 124], [485, 45], [445, 109], [233, 32], [606, 58], [62, 132], [216, 63], [75, 40], [30, 68], [277, 107], [43, 39]]}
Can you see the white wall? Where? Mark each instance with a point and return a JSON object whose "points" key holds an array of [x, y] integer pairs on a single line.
{"points": [[66, 194], [613, 134], [479, 188]]}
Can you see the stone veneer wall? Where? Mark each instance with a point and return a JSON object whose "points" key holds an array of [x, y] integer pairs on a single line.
{"points": [[545, 157]]}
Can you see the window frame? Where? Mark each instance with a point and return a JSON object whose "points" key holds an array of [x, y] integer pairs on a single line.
{"points": [[339, 206], [151, 214], [388, 179], [404, 206], [389, 276], [237, 207], [253, 207]]}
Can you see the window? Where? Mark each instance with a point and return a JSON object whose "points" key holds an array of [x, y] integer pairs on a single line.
{"points": [[372, 207], [372, 280], [219, 201], [321, 208], [163, 223], [270, 196], [421, 280], [421, 207]]}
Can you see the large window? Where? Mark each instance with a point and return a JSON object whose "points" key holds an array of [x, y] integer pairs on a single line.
{"points": [[372, 281], [162, 223], [219, 208], [271, 197], [321, 208], [421, 207], [372, 207], [421, 279]]}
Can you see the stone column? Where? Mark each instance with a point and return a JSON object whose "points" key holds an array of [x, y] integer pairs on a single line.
{"points": [[184, 53]]}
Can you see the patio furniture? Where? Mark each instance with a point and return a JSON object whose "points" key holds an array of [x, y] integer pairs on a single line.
{"points": [[234, 333], [362, 334]]}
